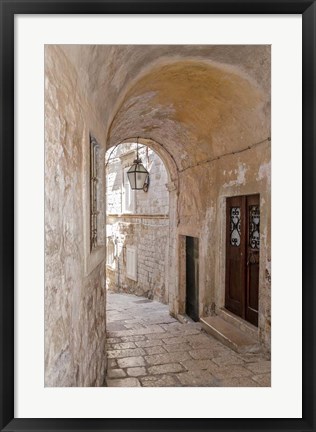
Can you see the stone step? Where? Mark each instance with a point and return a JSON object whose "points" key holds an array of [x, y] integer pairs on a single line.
{"points": [[239, 323], [229, 335]]}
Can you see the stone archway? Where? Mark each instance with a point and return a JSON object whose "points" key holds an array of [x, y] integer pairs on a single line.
{"points": [[172, 187], [214, 121]]}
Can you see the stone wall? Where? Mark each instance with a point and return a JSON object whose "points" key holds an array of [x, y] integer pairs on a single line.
{"points": [[146, 227], [74, 277]]}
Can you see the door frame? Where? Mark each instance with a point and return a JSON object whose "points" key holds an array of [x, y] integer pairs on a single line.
{"points": [[197, 287], [183, 233], [241, 306], [220, 262]]}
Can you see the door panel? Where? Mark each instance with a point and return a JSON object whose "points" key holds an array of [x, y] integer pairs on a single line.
{"points": [[235, 244], [192, 277], [242, 256], [252, 265]]}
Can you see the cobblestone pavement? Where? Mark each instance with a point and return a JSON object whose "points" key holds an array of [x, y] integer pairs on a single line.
{"points": [[147, 347]]}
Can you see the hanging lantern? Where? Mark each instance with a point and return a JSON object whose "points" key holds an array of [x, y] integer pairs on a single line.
{"points": [[137, 174]]}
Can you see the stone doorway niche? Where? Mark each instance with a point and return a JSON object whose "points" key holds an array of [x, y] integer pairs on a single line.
{"points": [[184, 237], [192, 277], [132, 247]]}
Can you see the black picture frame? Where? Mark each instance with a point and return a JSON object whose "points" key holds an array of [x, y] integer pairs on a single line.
{"points": [[8, 8]]}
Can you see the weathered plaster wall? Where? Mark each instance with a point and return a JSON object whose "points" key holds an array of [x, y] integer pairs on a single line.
{"points": [[245, 173], [147, 227], [74, 278], [251, 174]]}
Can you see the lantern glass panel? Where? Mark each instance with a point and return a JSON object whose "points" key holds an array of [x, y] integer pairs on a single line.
{"points": [[131, 178], [137, 175]]}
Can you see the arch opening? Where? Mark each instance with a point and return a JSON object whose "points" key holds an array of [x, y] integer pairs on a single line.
{"points": [[214, 123], [140, 223]]}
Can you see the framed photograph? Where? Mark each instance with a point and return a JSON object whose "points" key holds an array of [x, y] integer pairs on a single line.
{"points": [[157, 236]]}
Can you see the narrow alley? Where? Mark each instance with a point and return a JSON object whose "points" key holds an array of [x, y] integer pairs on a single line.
{"points": [[147, 347], [160, 158]]}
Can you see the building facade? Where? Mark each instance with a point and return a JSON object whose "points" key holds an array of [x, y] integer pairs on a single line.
{"points": [[137, 228]]}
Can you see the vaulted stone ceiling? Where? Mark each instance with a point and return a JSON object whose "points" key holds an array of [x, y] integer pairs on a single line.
{"points": [[199, 102]]}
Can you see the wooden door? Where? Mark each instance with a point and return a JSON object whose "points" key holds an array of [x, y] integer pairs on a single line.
{"points": [[192, 278], [235, 255], [242, 256]]}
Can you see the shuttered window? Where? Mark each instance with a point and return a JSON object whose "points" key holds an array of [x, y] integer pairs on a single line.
{"points": [[94, 153], [110, 253], [128, 195], [131, 262]]}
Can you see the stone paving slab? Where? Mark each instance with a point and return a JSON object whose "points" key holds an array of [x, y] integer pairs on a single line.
{"points": [[116, 373], [176, 326], [112, 363], [238, 382], [197, 364], [264, 380], [259, 367], [165, 368], [161, 320], [149, 343], [204, 353], [113, 341], [132, 338], [136, 326], [146, 330], [131, 362], [253, 358], [228, 360], [160, 381], [116, 326], [155, 350], [136, 371], [232, 371], [175, 340], [158, 351], [178, 347], [121, 346], [123, 382], [167, 358], [121, 353], [197, 378]]}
